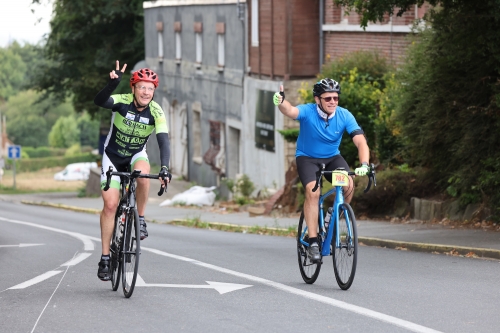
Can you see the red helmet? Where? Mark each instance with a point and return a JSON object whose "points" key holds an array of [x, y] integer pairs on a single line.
{"points": [[146, 75]]}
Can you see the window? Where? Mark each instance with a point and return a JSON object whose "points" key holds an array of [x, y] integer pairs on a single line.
{"points": [[178, 46], [160, 44], [220, 28], [255, 22], [198, 48], [159, 29]]}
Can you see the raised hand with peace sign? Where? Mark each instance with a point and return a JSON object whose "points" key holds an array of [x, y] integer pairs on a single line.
{"points": [[117, 73]]}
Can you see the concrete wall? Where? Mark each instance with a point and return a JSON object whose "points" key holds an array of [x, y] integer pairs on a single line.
{"points": [[264, 168], [218, 91]]}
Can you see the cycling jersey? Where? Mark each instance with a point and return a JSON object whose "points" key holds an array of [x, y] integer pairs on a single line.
{"points": [[320, 137], [130, 128]]}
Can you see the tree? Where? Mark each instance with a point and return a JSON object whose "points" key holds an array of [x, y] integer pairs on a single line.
{"points": [[89, 131], [12, 71], [64, 133], [29, 121], [85, 40]]}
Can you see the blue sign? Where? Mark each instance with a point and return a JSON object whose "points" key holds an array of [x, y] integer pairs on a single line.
{"points": [[14, 152]]}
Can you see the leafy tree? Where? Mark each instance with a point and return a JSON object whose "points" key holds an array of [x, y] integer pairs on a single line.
{"points": [[64, 133], [89, 130], [85, 40], [12, 71], [29, 122]]}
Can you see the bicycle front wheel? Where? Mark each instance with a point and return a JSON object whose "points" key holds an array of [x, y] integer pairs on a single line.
{"points": [[115, 251], [345, 254], [131, 252], [308, 269]]}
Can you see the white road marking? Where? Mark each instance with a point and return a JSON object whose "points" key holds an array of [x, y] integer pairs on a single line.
{"points": [[87, 243], [21, 245], [323, 299], [36, 280], [326, 300], [79, 258], [221, 287]]}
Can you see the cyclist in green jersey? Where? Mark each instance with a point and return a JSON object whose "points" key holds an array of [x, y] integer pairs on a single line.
{"points": [[134, 118]]}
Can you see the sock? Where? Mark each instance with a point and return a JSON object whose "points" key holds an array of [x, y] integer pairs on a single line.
{"points": [[141, 217], [105, 257], [313, 240]]}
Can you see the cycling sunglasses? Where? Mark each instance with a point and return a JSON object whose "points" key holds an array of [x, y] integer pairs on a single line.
{"points": [[328, 99]]}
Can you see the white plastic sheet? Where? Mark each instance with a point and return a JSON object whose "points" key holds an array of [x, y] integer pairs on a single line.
{"points": [[196, 195]]}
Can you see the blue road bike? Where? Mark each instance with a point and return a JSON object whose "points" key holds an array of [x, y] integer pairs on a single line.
{"points": [[338, 237]]}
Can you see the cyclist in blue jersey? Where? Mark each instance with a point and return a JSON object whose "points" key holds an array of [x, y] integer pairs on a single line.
{"points": [[134, 118], [322, 125]]}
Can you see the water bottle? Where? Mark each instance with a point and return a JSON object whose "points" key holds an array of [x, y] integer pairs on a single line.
{"points": [[122, 226], [328, 217]]}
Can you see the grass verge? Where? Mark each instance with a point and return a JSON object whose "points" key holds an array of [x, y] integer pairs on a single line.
{"points": [[196, 222]]}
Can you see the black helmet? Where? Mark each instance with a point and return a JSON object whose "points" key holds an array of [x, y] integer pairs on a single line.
{"points": [[326, 85]]}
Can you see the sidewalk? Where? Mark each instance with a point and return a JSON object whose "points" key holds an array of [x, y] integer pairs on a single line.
{"points": [[412, 236]]}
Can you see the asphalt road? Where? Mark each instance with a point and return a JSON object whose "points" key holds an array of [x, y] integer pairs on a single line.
{"points": [[51, 285]]}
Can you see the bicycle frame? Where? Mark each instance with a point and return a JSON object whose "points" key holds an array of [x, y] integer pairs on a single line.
{"points": [[339, 199]]}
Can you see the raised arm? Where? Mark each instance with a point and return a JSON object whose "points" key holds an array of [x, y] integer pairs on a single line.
{"points": [[103, 98], [284, 106]]}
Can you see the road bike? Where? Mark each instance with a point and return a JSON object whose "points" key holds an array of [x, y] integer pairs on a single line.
{"points": [[337, 237], [125, 247]]}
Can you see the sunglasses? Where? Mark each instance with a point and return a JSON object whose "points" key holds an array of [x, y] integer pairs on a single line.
{"points": [[328, 99]]}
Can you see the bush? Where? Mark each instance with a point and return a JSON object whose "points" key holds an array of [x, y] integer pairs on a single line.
{"points": [[34, 164], [393, 185], [43, 151], [75, 149]]}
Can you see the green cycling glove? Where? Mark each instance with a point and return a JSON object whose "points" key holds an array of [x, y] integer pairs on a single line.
{"points": [[362, 170], [278, 98]]}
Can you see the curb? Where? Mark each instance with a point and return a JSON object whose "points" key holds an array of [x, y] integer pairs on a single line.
{"points": [[464, 251], [73, 208]]}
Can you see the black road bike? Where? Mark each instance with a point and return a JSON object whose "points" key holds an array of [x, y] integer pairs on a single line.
{"points": [[125, 246]]}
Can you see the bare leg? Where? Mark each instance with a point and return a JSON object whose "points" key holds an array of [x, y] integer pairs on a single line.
{"points": [[142, 192], [311, 209], [349, 190], [110, 198]]}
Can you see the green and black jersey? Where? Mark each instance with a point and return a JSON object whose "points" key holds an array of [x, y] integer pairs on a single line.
{"points": [[130, 128]]}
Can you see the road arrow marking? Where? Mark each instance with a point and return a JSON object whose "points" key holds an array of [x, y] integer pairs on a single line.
{"points": [[76, 260], [21, 245], [221, 287]]}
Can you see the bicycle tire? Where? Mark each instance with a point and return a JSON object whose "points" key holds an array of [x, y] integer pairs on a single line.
{"points": [[131, 252], [345, 256], [115, 252], [308, 270]]}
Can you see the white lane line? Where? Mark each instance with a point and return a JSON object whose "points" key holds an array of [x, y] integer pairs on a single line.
{"points": [[79, 258], [21, 245], [36, 280], [323, 299], [87, 243], [53, 293], [330, 301]]}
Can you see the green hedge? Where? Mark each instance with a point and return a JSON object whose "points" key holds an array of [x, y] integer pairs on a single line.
{"points": [[34, 164], [43, 151]]}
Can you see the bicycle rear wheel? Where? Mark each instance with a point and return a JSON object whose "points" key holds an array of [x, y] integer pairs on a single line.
{"points": [[308, 269], [345, 255], [131, 252], [115, 251]]}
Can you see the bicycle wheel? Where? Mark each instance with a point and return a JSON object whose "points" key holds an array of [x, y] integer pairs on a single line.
{"points": [[345, 255], [131, 251], [115, 251], [308, 269]]}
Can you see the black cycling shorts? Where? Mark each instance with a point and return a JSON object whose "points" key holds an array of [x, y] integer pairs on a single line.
{"points": [[309, 168]]}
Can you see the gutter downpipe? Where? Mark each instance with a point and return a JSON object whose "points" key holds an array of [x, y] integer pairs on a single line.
{"points": [[321, 36]]}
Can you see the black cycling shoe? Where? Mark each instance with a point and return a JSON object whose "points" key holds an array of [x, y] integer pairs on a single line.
{"points": [[143, 230], [104, 271], [313, 253]]}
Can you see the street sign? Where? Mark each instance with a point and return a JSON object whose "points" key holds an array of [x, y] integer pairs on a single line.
{"points": [[14, 152]]}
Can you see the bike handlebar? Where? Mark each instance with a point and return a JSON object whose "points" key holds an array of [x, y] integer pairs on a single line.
{"points": [[370, 174], [137, 174]]}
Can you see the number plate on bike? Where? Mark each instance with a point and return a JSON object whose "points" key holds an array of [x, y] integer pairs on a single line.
{"points": [[340, 178]]}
